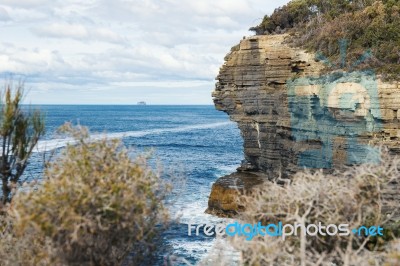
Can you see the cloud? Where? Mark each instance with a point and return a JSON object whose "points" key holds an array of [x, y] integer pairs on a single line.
{"points": [[29, 62], [25, 3], [78, 32], [63, 31], [4, 16], [67, 46]]}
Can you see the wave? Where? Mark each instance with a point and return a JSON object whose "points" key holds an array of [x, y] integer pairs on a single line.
{"points": [[48, 145]]}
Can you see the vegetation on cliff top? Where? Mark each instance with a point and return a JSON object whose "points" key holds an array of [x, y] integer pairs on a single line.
{"points": [[367, 25]]}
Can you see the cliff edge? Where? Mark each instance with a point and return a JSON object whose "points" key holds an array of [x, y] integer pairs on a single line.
{"points": [[292, 115]]}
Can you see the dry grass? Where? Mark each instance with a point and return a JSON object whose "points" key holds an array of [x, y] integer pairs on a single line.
{"points": [[361, 195]]}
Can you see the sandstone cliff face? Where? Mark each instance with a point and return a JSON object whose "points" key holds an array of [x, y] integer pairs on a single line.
{"points": [[292, 115]]}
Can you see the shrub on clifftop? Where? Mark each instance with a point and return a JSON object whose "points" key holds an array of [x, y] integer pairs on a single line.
{"points": [[318, 25]]}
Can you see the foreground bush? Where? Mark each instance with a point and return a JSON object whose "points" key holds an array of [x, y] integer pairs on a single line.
{"points": [[95, 207], [365, 195]]}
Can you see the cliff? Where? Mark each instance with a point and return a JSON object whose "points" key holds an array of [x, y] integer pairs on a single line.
{"points": [[292, 115]]}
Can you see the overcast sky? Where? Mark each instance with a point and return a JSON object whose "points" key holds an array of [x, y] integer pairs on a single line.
{"points": [[122, 51]]}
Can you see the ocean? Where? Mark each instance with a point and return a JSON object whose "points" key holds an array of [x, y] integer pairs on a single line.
{"points": [[195, 142]]}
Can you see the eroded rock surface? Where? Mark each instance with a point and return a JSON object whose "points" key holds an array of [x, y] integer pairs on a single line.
{"points": [[292, 115], [226, 190]]}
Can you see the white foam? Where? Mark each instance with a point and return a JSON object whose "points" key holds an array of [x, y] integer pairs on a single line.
{"points": [[48, 145], [193, 211], [226, 169], [197, 249]]}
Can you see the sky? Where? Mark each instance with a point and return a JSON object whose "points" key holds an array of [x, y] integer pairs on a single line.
{"points": [[122, 51]]}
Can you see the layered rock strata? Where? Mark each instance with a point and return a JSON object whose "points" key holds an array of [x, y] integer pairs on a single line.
{"points": [[292, 115]]}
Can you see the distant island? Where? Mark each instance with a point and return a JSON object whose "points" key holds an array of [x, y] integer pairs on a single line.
{"points": [[141, 103]]}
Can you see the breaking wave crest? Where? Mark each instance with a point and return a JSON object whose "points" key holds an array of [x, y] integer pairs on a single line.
{"points": [[48, 145]]}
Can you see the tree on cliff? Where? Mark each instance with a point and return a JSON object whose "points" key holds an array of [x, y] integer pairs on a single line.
{"points": [[19, 134]]}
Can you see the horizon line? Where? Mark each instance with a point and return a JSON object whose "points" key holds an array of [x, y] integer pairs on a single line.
{"points": [[116, 104]]}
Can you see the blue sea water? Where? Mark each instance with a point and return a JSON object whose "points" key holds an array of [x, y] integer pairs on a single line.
{"points": [[197, 142]]}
